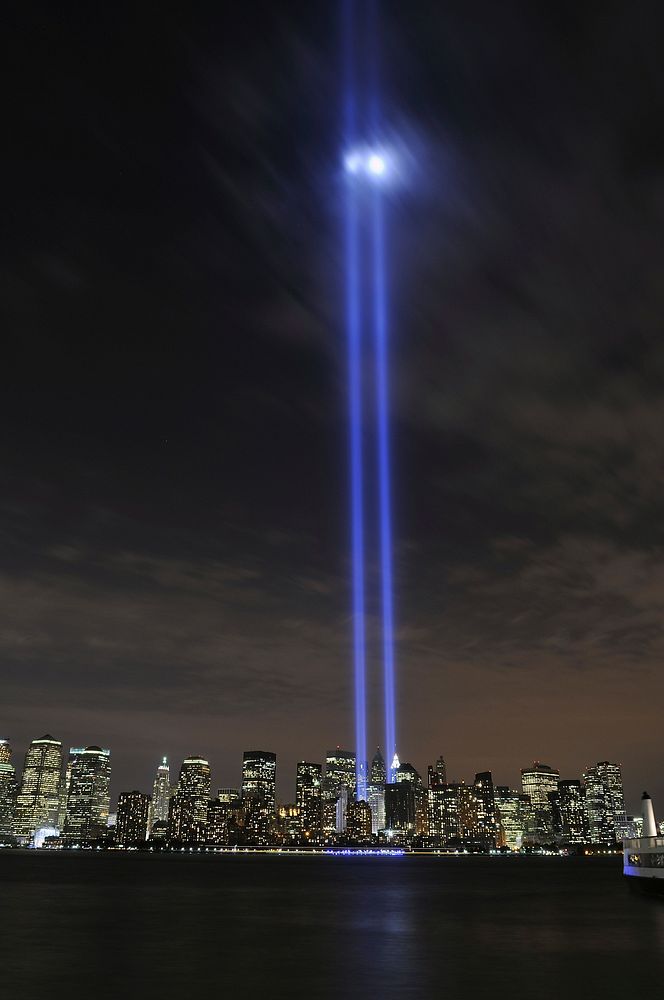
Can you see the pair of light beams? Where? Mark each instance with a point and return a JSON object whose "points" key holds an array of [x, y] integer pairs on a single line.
{"points": [[366, 169]]}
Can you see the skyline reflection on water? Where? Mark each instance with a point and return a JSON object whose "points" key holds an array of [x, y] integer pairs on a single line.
{"points": [[137, 925]]}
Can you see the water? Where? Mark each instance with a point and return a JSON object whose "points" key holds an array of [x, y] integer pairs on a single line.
{"points": [[213, 926]]}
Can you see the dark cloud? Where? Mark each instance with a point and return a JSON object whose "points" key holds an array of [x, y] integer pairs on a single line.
{"points": [[173, 521]]}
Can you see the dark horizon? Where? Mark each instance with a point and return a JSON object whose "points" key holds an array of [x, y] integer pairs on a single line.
{"points": [[173, 511]]}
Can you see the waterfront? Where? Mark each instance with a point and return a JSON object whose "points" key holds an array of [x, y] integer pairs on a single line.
{"points": [[174, 925]]}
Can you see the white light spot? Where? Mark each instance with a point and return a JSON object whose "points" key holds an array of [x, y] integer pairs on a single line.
{"points": [[376, 164]]}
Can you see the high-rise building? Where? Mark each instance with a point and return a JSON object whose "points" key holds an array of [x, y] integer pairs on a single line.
{"points": [[400, 818], [339, 785], [537, 782], [376, 791], [161, 793], [358, 826], [605, 803], [187, 814], [378, 769], [8, 789], [39, 795], [437, 774], [289, 827], [218, 822], [195, 782], [486, 812], [514, 816], [131, 826], [308, 799], [259, 775], [88, 794], [340, 770], [569, 814]]}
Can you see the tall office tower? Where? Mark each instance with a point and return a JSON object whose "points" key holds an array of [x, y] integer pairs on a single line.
{"points": [[400, 816], [437, 774], [39, 795], [458, 814], [436, 813], [358, 826], [513, 815], [569, 814], [188, 806], [486, 812], [537, 781], [605, 803], [376, 791], [259, 777], [378, 769], [259, 772], [308, 799], [340, 771], [88, 795], [219, 816], [194, 784], [8, 789], [131, 826], [161, 793]]}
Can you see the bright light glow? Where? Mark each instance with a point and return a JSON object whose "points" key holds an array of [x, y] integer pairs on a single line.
{"points": [[376, 164], [353, 162], [369, 163]]}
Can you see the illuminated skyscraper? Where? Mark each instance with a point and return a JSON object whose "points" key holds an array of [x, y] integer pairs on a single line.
{"points": [[486, 808], [537, 782], [88, 794], [569, 814], [259, 776], [188, 807], [437, 775], [340, 782], [358, 826], [38, 798], [376, 791], [131, 827], [514, 816], [308, 799], [161, 793], [605, 802], [8, 789], [340, 770], [400, 809]]}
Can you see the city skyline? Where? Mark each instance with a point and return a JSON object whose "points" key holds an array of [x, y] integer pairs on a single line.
{"points": [[286, 781]]}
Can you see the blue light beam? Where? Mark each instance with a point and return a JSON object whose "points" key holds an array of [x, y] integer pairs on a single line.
{"points": [[356, 458], [380, 324]]}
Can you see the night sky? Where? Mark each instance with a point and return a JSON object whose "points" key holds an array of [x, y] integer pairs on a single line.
{"points": [[173, 493]]}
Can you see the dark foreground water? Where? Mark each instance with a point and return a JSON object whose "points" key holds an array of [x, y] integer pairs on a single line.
{"points": [[212, 926]]}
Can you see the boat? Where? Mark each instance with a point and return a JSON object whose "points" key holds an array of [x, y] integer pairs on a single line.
{"points": [[643, 857]]}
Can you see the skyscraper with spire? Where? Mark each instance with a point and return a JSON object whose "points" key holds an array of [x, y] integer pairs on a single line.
{"points": [[161, 793]]}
